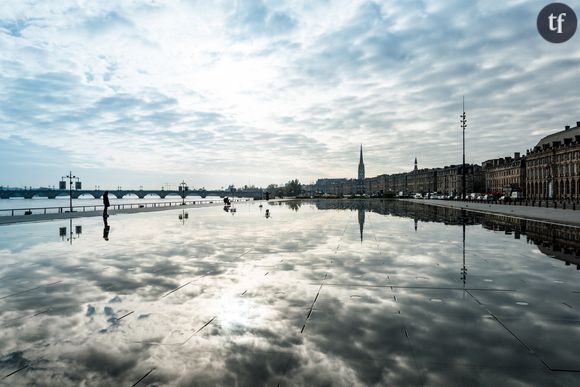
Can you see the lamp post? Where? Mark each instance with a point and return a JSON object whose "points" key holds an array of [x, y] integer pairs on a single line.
{"points": [[183, 188], [463, 122], [62, 185]]}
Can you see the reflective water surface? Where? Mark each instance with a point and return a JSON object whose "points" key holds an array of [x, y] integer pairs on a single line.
{"points": [[331, 293]]}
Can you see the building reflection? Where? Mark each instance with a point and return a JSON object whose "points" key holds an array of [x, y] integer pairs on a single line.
{"points": [[557, 241]]}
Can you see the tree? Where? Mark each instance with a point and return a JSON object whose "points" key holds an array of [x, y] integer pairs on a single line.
{"points": [[293, 188]]}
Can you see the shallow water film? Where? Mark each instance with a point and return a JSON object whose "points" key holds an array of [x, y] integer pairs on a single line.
{"points": [[333, 293]]}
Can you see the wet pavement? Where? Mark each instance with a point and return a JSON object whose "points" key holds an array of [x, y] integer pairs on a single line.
{"points": [[331, 293]]}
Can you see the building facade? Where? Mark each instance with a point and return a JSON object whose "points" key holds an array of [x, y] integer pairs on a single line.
{"points": [[450, 179], [553, 166], [549, 171], [505, 175]]}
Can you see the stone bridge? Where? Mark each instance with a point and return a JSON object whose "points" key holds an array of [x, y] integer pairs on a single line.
{"points": [[53, 193]]}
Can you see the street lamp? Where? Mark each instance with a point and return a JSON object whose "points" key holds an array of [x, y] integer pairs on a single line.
{"points": [[62, 185], [463, 122], [183, 188]]}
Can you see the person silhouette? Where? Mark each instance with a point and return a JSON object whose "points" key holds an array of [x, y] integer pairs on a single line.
{"points": [[106, 205]]}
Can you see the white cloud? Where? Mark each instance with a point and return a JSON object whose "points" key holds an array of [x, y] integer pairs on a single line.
{"points": [[220, 92]]}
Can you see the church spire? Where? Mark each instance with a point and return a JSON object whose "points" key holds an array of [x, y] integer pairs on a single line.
{"points": [[416, 164], [361, 173]]}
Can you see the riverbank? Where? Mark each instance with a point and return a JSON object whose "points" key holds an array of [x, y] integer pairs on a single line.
{"points": [[84, 214], [549, 215]]}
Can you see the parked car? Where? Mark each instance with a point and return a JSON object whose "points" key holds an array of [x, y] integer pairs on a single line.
{"points": [[418, 196]]}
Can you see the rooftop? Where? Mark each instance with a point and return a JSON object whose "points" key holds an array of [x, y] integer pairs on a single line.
{"points": [[568, 133]]}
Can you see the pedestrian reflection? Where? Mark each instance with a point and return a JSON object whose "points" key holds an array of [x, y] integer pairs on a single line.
{"points": [[106, 229]]}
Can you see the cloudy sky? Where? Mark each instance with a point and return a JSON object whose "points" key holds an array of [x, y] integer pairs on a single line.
{"points": [[234, 92]]}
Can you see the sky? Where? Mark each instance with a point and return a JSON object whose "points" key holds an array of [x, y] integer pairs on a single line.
{"points": [[131, 93]]}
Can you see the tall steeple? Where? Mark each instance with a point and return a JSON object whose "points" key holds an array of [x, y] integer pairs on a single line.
{"points": [[415, 164], [361, 172], [361, 166]]}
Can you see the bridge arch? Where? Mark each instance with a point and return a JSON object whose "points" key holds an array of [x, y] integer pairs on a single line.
{"points": [[129, 195]]}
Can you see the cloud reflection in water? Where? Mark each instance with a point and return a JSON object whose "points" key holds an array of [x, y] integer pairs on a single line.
{"points": [[308, 297]]}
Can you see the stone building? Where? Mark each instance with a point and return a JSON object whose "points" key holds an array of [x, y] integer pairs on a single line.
{"points": [[505, 175], [553, 166], [376, 185], [450, 179], [332, 186], [422, 181]]}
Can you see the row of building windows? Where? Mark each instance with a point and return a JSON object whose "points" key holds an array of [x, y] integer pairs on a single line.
{"points": [[561, 171], [558, 158]]}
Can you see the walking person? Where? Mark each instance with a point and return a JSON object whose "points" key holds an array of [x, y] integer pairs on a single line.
{"points": [[106, 204]]}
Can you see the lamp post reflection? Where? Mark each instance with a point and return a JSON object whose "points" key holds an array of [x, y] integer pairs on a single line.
{"points": [[183, 217], [70, 235]]}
